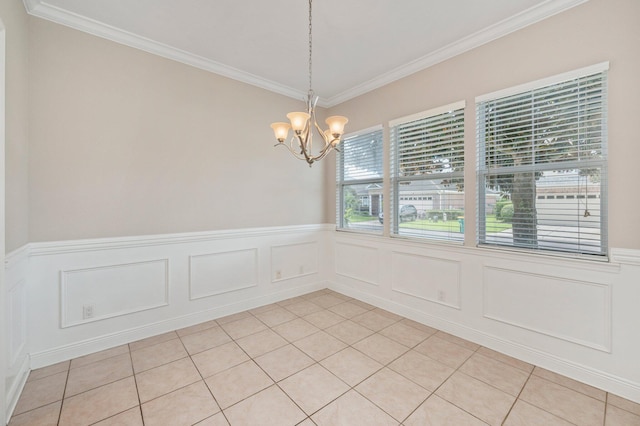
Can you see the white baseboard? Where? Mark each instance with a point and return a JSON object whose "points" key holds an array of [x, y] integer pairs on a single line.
{"points": [[15, 389], [602, 380], [77, 349]]}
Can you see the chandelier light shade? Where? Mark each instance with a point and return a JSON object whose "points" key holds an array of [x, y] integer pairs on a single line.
{"points": [[304, 125]]}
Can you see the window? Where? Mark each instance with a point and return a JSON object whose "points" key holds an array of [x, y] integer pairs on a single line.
{"points": [[542, 160], [427, 165], [359, 180]]}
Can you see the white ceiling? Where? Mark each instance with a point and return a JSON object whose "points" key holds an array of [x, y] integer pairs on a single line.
{"points": [[358, 45]]}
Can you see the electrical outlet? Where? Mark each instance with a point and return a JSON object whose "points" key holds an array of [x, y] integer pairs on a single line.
{"points": [[442, 296], [278, 275], [301, 269], [87, 311]]}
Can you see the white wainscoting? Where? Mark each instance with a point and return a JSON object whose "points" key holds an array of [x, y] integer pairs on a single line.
{"points": [[17, 324], [571, 310], [357, 261], [113, 290], [430, 278], [16, 270], [216, 273], [137, 287], [576, 317], [294, 260]]}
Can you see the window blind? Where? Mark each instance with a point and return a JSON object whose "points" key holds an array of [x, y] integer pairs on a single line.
{"points": [[360, 180], [427, 164], [542, 167]]}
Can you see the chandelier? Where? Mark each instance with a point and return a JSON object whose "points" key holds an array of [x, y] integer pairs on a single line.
{"points": [[304, 124]]}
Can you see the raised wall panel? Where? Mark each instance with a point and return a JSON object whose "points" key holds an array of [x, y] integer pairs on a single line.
{"points": [[572, 310], [429, 278], [216, 273], [358, 262], [16, 303], [294, 260], [113, 290]]}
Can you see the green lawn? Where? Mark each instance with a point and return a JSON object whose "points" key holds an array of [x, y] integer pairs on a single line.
{"points": [[493, 225], [361, 218], [424, 224]]}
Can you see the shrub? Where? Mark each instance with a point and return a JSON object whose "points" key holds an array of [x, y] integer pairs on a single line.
{"points": [[436, 215], [507, 213], [500, 205]]}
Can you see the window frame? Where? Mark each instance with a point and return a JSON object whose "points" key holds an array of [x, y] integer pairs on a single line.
{"points": [[341, 182], [396, 179], [484, 172]]}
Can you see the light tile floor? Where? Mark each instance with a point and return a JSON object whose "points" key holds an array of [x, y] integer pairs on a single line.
{"points": [[318, 359]]}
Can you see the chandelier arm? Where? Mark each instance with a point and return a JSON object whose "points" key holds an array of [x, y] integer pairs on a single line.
{"points": [[305, 154], [324, 136], [322, 154], [305, 147], [291, 150], [306, 144]]}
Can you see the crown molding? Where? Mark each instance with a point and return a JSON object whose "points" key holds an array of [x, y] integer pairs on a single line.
{"points": [[41, 9], [60, 16], [514, 23]]}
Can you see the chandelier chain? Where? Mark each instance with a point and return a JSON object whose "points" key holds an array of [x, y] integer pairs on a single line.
{"points": [[310, 48], [304, 124]]}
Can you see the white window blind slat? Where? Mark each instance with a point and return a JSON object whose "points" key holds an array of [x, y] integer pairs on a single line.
{"points": [[359, 181], [546, 82], [427, 184], [542, 167]]}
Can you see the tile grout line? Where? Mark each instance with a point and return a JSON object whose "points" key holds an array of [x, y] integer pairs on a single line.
{"points": [[569, 388], [135, 382], [444, 381], [202, 377], [515, 401], [383, 366], [374, 332], [260, 367], [276, 383], [316, 362], [64, 391], [310, 299]]}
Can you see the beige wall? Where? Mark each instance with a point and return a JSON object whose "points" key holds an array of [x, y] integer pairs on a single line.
{"points": [[127, 143], [15, 19], [122, 142], [597, 31]]}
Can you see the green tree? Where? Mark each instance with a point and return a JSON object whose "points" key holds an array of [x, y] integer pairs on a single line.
{"points": [[351, 204]]}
